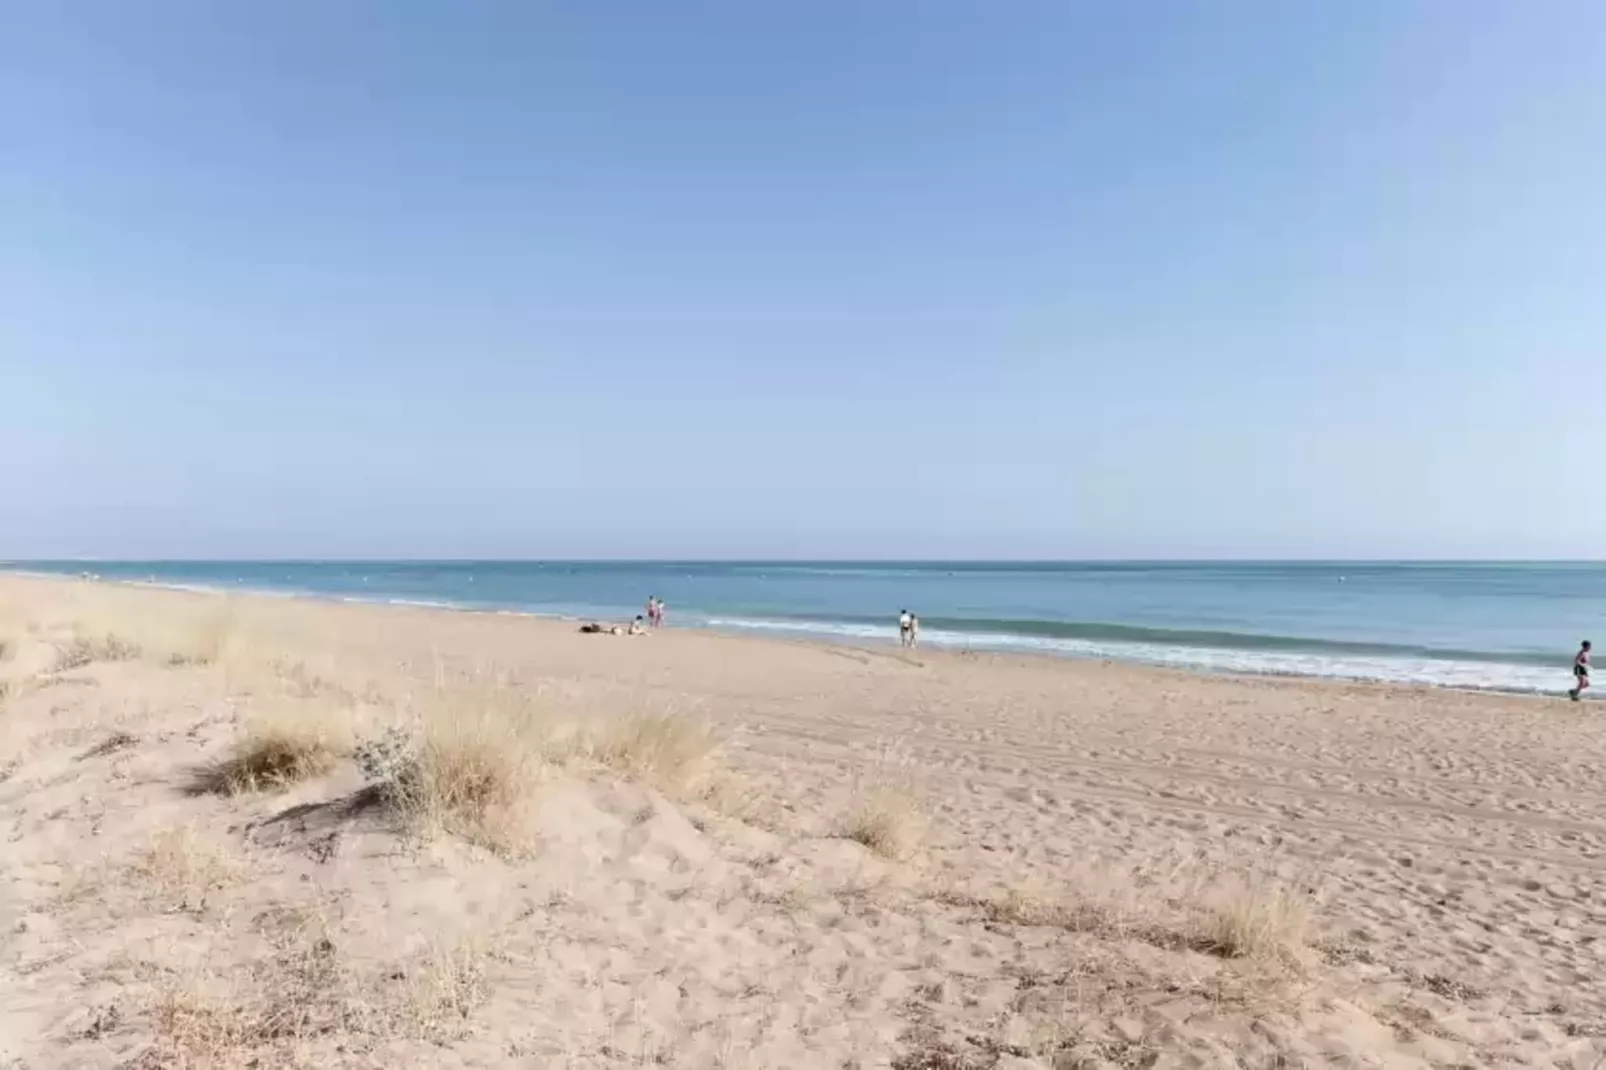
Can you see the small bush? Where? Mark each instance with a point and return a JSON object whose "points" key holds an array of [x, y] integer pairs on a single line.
{"points": [[1256, 919], [474, 776], [277, 752], [389, 762], [888, 821], [477, 777], [673, 753]]}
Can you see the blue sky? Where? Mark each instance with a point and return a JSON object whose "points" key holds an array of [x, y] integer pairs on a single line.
{"points": [[1049, 279]]}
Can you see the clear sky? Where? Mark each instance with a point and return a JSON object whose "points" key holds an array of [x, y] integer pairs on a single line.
{"points": [[916, 278]]}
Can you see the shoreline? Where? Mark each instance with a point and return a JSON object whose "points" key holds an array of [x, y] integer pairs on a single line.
{"points": [[813, 639]]}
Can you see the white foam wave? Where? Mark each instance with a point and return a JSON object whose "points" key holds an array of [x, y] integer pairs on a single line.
{"points": [[1436, 672], [206, 588], [852, 631]]}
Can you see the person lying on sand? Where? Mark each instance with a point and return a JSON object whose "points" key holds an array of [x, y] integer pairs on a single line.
{"points": [[593, 628]]}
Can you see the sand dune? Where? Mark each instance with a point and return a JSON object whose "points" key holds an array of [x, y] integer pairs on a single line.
{"points": [[703, 851]]}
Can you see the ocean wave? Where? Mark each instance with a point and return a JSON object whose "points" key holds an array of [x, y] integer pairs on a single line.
{"points": [[1253, 642], [1394, 668]]}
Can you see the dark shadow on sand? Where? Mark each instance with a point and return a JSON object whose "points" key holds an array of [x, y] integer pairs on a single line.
{"points": [[317, 816], [318, 827]]}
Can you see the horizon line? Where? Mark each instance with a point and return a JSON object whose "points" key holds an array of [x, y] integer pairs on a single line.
{"points": [[6, 563]]}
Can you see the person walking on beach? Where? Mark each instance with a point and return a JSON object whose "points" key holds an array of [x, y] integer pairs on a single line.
{"points": [[1580, 672], [652, 610], [658, 621], [906, 625], [914, 631]]}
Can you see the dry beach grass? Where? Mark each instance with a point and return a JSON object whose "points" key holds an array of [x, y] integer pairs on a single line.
{"points": [[261, 832]]}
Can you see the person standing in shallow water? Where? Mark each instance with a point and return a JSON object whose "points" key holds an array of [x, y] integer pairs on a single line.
{"points": [[906, 623], [1580, 672]]}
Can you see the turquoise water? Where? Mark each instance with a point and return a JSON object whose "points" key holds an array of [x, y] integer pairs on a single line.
{"points": [[1509, 626]]}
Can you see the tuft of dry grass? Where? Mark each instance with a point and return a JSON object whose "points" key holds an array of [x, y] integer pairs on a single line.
{"points": [[477, 776], [196, 635], [480, 753], [185, 870], [1114, 901], [471, 765], [302, 992], [279, 750], [673, 753], [77, 886], [1257, 919], [195, 1022], [86, 648], [888, 821], [1030, 906], [12, 630], [294, 679], [306, 990], [1161, 904], [203, 641], [444, 990]]}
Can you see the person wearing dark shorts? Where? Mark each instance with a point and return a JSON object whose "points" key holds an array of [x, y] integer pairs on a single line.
{"points": [[1580, 672]]}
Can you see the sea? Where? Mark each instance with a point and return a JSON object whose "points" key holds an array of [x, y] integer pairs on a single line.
{"points": [[1506, 626]]}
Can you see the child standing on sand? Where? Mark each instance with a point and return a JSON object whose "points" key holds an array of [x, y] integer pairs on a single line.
{"points": [[1580, 672]]}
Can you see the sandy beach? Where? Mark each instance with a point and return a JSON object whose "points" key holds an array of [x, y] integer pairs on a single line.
{"points": [[697, 850]]}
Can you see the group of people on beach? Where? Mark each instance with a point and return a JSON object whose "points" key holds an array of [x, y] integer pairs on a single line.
{"points": [[653, 618], [908, 629]]}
